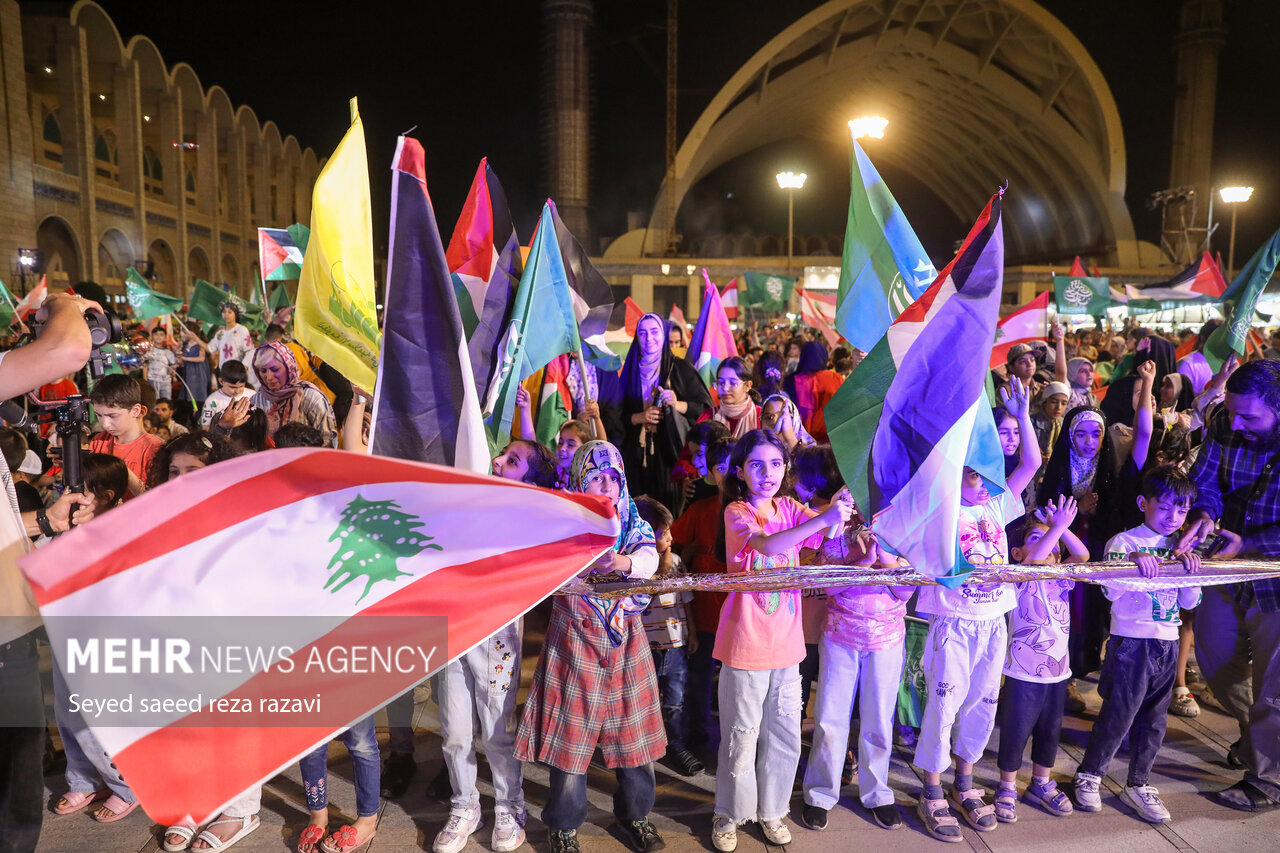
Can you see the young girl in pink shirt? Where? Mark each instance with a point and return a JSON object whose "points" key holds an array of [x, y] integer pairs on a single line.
{"points": [[760, 641]]}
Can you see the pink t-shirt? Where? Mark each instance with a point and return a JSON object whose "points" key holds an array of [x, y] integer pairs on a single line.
{"points": [[866, 618], [761, 630]]}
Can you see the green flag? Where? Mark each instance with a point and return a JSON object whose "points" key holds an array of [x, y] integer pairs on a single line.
{"points": [[1082, 294], [279, 298], [1243, 297], [7, 307], [205, 305], [767, 292], [145, 302], [542, 326]]}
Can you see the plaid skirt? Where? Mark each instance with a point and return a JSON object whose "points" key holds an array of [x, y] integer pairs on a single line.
{"points": [[586, 692]]}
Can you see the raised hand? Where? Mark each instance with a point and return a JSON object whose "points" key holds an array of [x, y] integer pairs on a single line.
{"points": [[1147, 373], [522, 397], [1015, 398]]}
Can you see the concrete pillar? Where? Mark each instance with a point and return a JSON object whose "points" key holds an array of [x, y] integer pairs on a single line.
{"points": [[17, 214], [693, 298], [642, 291], [1200, 38], [566, 128]]}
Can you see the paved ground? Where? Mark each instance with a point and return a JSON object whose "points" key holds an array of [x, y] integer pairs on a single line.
{"points": [[1190, 766]]}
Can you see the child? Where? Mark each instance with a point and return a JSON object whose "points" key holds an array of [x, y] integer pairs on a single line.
{"points": [[479, 689], [595, 683], [1036, 669], [361, 741], [91, 776], [696, 532], [862, 654], [231, 387], [698, 483], [1138, 673], [760, 642], [160, 364], [673, 635], [117, 401], [965, 645], [572, 435]]}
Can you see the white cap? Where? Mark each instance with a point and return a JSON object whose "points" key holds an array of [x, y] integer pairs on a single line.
{"points": [[31, 464]]}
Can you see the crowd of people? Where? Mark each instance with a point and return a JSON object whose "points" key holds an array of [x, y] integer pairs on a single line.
{"points": [[1124, 446]]}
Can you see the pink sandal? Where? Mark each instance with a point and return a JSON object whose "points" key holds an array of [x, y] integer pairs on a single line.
{"points": [[309, 841], [345, 840], [119, 809], [78, 800]]}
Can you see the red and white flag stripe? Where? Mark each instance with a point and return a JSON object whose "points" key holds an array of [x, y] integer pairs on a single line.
{"points": [[1028, 323], [818, 309], [255, 537]]}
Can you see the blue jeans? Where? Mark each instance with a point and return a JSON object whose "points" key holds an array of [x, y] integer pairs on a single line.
{"points": [[1136, 686], [21, 746], [672, 667], [697, 693], [1030, 710], [566, 807], [362, 742]]}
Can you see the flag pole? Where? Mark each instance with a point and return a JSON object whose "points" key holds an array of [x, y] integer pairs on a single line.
{"points": [[586, 386]]}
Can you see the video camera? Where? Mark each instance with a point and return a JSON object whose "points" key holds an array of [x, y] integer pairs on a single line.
{"points": [[105, 330]]}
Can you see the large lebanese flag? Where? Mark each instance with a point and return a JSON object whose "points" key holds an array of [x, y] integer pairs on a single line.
{"points": [[818, 309], [1028, 323], [323, 552]]}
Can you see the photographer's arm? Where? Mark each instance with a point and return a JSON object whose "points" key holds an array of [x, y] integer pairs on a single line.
{"points": [[63, 347], [58, 516]]}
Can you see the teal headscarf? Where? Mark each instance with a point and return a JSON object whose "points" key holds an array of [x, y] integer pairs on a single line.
{"points": [[591, 460]]}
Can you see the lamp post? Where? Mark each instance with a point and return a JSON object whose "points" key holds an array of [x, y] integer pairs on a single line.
{"points": [[1234, 196], [28, 260], [791, 181]]}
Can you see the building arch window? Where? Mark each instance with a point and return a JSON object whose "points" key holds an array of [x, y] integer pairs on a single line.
{"points": [[152, 171], [52, 131]]}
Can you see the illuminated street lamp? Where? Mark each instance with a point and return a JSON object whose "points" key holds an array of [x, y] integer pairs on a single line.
{"points": [[872, 126], [1234, 196], [791, 181]]}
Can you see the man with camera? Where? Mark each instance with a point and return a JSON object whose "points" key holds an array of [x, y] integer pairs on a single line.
{"points": [[63, 346]]}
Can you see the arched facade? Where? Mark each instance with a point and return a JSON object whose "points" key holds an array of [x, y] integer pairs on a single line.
{"points": [[60, 250], [102, 121], [977, 92]]}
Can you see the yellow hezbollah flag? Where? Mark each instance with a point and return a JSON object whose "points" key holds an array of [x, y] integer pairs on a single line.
{"points": [[336, 309]]}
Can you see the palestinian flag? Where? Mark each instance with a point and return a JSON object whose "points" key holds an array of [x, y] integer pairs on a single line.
{"points": [[592, 297], [1199, 283], [901, 437], [304, 589], [712, 341], [279, 255], [555, 402], [818, 309], [1028, 323]]}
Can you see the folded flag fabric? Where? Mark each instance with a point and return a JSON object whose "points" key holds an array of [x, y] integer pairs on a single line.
{"points": [[205, 305], [485, 260], [712, 340], [1082, 294], [766, 292], [902, 438], [31, 303], [1200, 283], [676, 318], [1077, 269], [884, 268], [1028, 323], [592, 297], [1243, 295], [555, 401], [7, 306], [365, 553], [146, 303], [279, 255], [336, 316], [279, 299], [729, 299], [426, 407], [818, 309]]}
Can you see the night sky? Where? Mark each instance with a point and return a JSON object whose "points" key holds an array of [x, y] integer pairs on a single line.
{"points": [[467, 77]]}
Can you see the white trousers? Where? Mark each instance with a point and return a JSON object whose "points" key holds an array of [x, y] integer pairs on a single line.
{"points": [[478, 690], [962, 662], [874, 677], [759, 742]]}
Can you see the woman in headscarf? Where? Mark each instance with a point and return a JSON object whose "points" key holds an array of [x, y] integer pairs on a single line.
{"points": [[736, 410], [287, 399], [812, 386], [595, 682], [1120, 403], [661, 396], [1080, 376], [778, 414], [1085, 465]]}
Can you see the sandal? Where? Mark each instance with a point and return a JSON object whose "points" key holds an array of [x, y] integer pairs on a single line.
{"points": [[977, 813], [186, 833], [1050, 798], [77, 800], [1006, 805], [118, 808], [938, 820], [247, 825], [309, 841], [345, 840], [1246, 797]]}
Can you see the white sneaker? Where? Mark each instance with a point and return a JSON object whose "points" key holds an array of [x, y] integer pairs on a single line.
{"points": [[462, 823], [1088, 791], [1146, 801], [508, 830], [776, 832], [1183, 703], [724, 834]]}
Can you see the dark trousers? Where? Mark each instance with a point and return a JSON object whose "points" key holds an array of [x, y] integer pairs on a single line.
{"points": [[1136, 686], [21, 746], [566, 807], [697, 689], [1030, 710], [672, 668]]}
